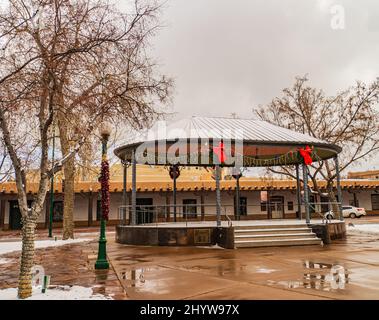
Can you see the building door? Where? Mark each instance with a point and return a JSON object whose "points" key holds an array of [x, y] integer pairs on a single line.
{"points": [[243, 206], [324, 204], [15, 222], [189, 208], [277, 207], [375, 201], [144, 211]]}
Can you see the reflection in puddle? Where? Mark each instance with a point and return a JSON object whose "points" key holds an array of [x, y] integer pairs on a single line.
{"points": [[134, 277], [319, 276], [264, 270]]}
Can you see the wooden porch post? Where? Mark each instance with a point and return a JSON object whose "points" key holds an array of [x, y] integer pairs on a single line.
{"points": [[202, 205], [2, 213], [218, 196]]}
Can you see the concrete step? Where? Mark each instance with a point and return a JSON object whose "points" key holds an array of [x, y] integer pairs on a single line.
{"points": [[274, 236], [271, 231], [277, 242], [272, 226]]}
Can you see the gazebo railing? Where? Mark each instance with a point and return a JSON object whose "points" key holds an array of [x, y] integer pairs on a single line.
{"points": [[192, 213], [189, 213]]}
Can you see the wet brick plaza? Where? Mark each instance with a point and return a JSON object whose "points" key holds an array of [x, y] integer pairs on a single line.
{"points": [[344, 270]]}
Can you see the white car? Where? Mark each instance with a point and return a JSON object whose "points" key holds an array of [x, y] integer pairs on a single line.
{"points": [[348, 212]]}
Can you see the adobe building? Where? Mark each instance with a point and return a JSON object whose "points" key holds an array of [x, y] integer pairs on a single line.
{"points": [[259, 198]]}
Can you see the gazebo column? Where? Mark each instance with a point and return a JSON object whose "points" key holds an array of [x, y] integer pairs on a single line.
{"points": [[237, 175], [339, 192], [306, 195], [238, 198], [174, 194], [174, 174], [124, 194], [167, 205], [218, 196], [134, 189], [298, 191]]}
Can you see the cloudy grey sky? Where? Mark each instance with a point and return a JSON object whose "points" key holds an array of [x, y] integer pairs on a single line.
{"points": [[231, 55]]}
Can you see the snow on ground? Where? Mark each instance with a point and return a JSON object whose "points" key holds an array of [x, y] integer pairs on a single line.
{"points": [[4, 261], [57, 293], [6, 247], [364, 228]]}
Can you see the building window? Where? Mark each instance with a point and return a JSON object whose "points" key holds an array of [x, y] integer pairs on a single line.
{"points": [[290, 205], [243, 206], [189, 208], [58, 211], [263, 205], [375, 201]]}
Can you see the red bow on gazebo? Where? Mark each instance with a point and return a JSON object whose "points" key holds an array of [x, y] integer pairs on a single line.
{"points": [[306, 154], [220, 151]]}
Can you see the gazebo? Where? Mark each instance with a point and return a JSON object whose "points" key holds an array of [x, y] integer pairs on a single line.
{"points": [[225, 142]]}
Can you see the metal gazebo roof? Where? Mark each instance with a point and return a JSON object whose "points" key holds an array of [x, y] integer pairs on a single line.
{"points": [[264, 144]]}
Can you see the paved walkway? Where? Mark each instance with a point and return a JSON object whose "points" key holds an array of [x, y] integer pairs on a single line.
{"points": [[71, 264], [214, 273], [259, 273]]}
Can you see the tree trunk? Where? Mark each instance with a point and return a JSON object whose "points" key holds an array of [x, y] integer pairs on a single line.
{"points": [[69, 198], [334, 202], [69, 177], [27, 258]]}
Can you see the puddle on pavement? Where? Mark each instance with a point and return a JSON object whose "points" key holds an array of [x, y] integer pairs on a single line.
{"points": [[319, 276], [135, 277], [136, 280]]}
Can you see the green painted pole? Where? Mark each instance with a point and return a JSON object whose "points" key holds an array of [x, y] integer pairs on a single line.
{"points": [[52, 192], [339, 192], [102, 262], [306, 194]]}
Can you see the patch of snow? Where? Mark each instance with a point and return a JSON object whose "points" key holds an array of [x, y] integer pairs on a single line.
{"points": [[216, 246], [364, 229], [56, 293], [4, 261], [6, 247]]}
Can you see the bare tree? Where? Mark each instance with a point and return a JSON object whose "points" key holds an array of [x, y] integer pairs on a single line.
{"points": [[349, 119], [68, 62]]}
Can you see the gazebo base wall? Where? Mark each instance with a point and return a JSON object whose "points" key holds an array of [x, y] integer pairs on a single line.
{"points": [[178, 234], [175, 236], [329, 232]]}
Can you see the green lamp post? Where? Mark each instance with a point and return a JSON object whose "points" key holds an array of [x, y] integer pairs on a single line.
{"points": [[102, 262]]}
